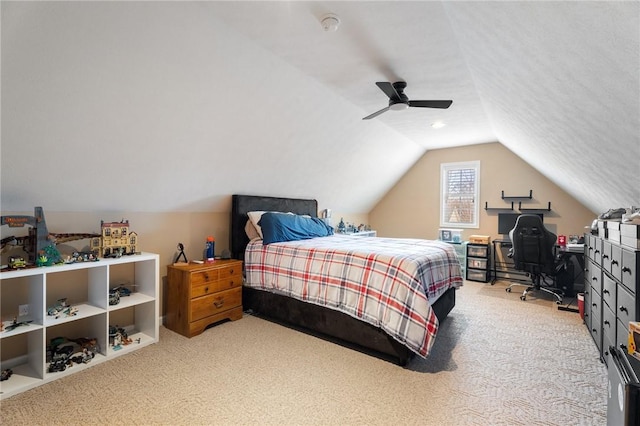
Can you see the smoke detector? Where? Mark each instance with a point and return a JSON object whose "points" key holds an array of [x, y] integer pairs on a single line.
{"points": [[330, 22]]}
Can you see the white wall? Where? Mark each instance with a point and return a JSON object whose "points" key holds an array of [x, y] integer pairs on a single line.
{"points": [[159, 106]]}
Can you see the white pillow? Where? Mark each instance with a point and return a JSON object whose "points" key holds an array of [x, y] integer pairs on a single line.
{"points": [[251, 231], [254, 217]]}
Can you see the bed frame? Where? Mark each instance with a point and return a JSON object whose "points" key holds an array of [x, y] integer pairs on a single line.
{"points": [[317, 320]]}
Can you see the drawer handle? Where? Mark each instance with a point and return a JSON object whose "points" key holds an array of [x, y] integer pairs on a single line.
{"points": [[594, 278], [605, 256], [230, 271], [623, 347], [206, 276], [218, 303], [206, 289], [595, 305], [623, 309], [590, 248], [231, 283], [595, 330], [625, 269], [606, 322], [597, 251], [614, 262], [605, 291]]}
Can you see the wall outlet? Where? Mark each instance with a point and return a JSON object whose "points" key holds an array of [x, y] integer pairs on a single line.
{"points": [[23, 310]]}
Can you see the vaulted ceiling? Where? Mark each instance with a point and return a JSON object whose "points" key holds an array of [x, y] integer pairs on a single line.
{"points": [[173, 106]]}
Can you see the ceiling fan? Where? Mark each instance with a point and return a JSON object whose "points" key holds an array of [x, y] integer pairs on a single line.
{"points": [[398, 100]]}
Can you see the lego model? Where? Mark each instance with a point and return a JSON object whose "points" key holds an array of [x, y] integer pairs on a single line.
{"points": [[38, 238], [40, 245], [115, 240], [17, 262], [6, 374], [15, 324], [116, 293], [62, 353], [62, 307]]}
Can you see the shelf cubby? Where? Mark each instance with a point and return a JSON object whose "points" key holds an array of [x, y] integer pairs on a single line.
{"points": [[85, 286]]}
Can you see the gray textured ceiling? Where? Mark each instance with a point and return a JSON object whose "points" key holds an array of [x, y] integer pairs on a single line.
{"points": [[558, 83], [213, 98]]}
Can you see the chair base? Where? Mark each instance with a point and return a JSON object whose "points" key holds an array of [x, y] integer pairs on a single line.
{"points": [[557, 293]]}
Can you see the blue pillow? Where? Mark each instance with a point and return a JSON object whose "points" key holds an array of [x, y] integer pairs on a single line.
{"points": [[278, 227]]}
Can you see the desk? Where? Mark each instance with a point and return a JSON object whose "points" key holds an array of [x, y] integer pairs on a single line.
{"points": [[576, 257], [503, 267]]}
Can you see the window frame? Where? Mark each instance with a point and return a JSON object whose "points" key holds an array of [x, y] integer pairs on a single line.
{"points": [[445, 168]]}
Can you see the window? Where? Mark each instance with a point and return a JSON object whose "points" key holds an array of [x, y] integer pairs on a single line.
{"points": [[459, 194]]}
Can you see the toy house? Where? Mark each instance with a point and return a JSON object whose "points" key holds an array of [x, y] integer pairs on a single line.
{"points": [[115, 240]]}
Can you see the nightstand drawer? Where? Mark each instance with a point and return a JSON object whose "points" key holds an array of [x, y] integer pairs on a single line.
{"points": [[231, 271], [215, 303], [202, 277], [224, 283]]}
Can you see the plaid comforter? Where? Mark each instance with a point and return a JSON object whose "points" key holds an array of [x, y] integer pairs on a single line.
{"points": [[386, 282]]}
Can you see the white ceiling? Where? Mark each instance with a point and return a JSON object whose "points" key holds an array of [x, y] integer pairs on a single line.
{"points": [[190, 102]]}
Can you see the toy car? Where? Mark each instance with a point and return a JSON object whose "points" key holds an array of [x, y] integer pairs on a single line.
{"points": [[114, 297], [16, 262], [6, 374], [58, 365], [83, 357]]}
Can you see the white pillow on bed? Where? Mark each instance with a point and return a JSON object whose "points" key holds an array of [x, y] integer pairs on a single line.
{"points": [[254, 217], [251, 231]]}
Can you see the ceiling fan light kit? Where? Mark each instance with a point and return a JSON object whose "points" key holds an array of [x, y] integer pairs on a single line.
{"points": [[330, 22], [398, 106], [399, 101]]}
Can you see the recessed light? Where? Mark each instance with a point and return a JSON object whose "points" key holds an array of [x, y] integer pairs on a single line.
{"points": [[438, 124]]}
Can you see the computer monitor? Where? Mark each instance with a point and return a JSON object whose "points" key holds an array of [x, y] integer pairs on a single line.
{"points": [[507, 221]]}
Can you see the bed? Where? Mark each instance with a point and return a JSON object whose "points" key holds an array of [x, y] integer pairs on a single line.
{"points": [[378, 322]]}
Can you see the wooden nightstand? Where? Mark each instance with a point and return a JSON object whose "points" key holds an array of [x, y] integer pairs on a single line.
{"points": [[202, 294]]}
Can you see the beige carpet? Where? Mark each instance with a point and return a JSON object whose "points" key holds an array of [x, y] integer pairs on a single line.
{"points": [[497, 361]]}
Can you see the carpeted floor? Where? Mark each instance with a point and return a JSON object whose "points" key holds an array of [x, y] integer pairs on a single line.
{"points": [[497, 361]]}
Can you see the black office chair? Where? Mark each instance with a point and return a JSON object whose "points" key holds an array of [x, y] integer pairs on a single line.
{"points": [[533, 252]]}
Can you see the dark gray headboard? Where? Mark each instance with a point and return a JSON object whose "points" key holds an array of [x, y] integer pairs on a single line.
{"points": [[241, 204]]}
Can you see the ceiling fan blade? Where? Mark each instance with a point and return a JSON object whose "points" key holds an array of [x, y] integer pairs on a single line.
{"points": [[377, 113], [389, 90], [430, 104]]}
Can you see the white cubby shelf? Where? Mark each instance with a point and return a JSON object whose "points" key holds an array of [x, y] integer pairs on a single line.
{"points": [[86, 287]]}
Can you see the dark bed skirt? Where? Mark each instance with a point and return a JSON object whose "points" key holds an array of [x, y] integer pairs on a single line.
{"points": [[334, 325]]}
